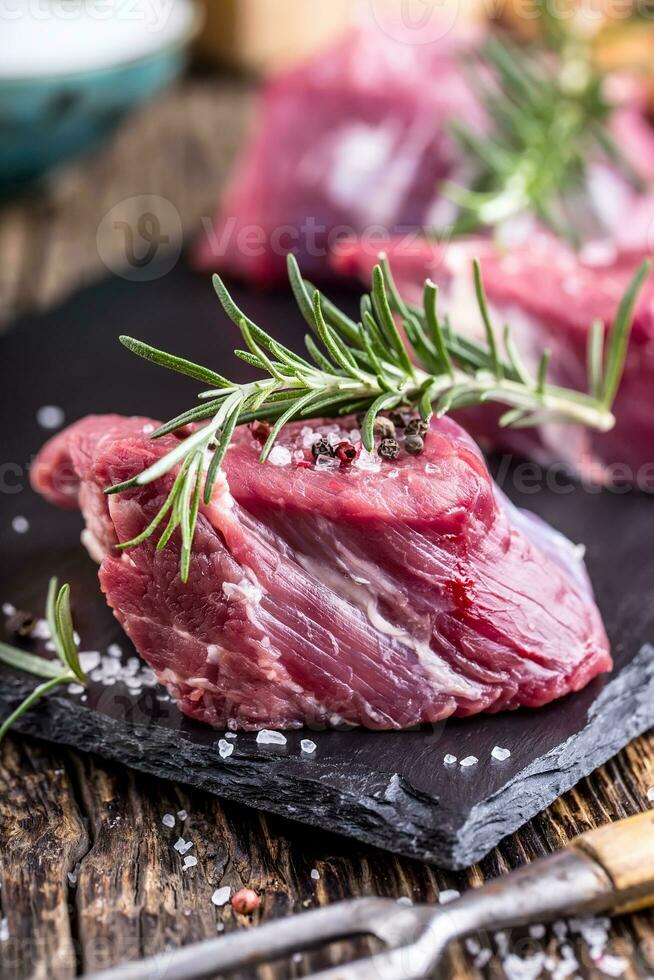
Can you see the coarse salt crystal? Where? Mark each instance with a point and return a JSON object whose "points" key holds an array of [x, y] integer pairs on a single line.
{"points": [[20, 525], [182, 815], [50, 417], [8, 609], [72, 878], [280, 456], [221, 896], [328, 463], [500, 754], [537, 931], [483, 958], [448, 895], [75, 689], [168, 820], [404, 901], [307, 746], [315, 874], [190, 861], [4, 930], [114, 650], [473, 946], [650, 794], [230, 734], [183, 846], [225, 748], [89, 660], [449, 759], [613, 966], [268, 737], [529, 968], [470, 760]]}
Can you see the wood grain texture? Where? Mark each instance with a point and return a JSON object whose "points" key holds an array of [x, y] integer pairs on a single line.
{"points": [[65, 814]]}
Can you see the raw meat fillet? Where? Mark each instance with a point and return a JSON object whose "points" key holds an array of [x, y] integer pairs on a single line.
{"points": [[550, 297], [358, 140], [378, 595], [354, 141]]}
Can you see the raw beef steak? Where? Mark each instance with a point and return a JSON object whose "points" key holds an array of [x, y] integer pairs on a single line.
{"points": [[376, 594]]}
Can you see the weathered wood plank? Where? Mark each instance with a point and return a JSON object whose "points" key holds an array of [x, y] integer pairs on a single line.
{"points": [[133, 898], [43, 836]]}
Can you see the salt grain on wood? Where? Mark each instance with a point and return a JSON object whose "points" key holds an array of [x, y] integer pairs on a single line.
{"points": [[221, 896], [315, 874], [168, 820], [448, 895], [190, 861]]}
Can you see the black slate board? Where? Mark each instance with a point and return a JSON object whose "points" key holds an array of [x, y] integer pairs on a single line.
{"points": [[389, 789]]}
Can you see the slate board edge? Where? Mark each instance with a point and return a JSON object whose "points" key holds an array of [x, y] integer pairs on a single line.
{"points": [[391, 825]]}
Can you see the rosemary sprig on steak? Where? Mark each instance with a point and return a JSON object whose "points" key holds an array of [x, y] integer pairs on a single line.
{"points": [[65, 670], [366, 366]]}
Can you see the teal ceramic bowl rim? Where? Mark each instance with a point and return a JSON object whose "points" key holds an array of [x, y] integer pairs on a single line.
{"points": [[197, 19]]}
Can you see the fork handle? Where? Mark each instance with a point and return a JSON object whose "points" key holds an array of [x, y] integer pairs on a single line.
{"points": [[625, 850]]}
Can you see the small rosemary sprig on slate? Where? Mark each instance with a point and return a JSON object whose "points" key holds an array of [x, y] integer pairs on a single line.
{"points": [[365, 366], [67, 669], [548, 117]]}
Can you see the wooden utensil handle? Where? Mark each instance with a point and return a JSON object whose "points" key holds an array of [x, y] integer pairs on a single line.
{"points": [[625, 850]]}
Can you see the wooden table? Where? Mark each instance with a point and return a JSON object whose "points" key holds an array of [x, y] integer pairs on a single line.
{"points": [[89, 875]]}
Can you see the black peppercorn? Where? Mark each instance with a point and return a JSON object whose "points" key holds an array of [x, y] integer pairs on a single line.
{"points": [[417, 427], [21, 623], [389, 449], [400, 418], [414, 444], [321, 448], [384, 428]]}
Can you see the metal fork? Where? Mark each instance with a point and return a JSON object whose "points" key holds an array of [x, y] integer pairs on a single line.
{"points": [[609, 871]]}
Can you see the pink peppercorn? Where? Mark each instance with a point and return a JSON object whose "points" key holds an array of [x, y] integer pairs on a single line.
{"points": [[245, 901], [346, 452]]}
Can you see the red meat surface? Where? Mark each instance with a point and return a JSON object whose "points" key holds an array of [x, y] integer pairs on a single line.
{"points": [[379, 594]]}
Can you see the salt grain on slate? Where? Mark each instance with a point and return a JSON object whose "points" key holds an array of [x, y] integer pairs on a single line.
{"points": [[470, 760], [500, 754], [268, 737], [308, 747], [448, 895], [449, 759], [50, 417], [168, 820], [221, 896], [20, 525], [225, 748]]}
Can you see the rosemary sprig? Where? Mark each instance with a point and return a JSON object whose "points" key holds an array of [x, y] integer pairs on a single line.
{"points": [[548, 117], [364, 366], [67, 669]]}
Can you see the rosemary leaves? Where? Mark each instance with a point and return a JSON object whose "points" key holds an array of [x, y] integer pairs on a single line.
{"points": [[367, 366], [65, 670]]}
